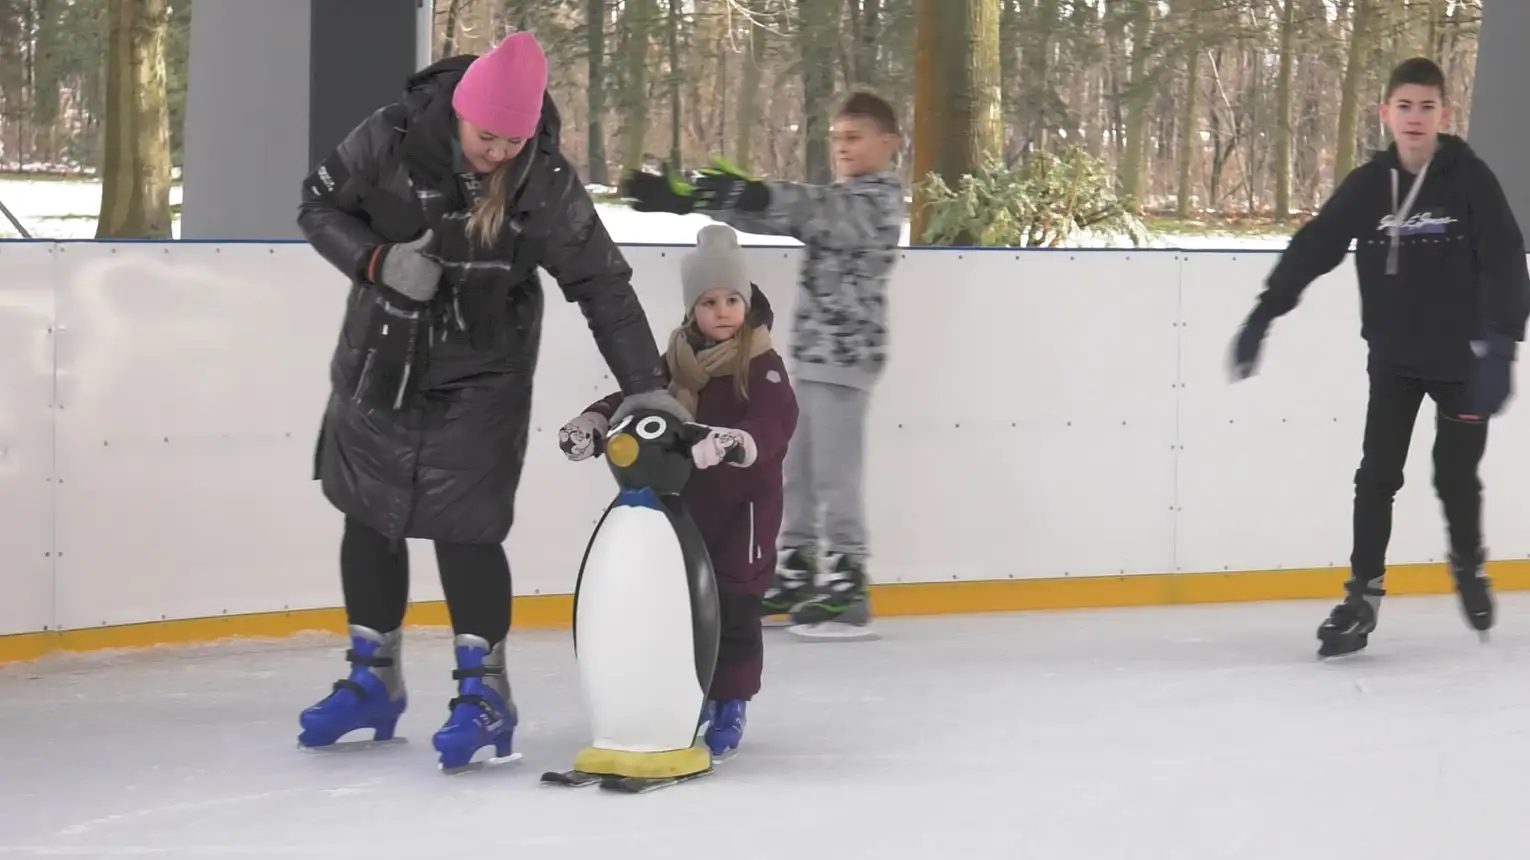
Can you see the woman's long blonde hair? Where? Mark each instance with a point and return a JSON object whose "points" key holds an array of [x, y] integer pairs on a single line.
{"points": [[488, 217]]}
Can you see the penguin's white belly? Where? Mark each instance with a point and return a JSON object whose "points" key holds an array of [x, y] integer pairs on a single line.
{"points": [[636, 646]]}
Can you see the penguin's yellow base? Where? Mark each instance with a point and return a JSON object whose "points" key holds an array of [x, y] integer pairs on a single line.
{"points": [[644, 765]]}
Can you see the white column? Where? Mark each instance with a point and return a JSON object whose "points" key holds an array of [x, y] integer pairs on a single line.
{"points": [[272, 87], [424, 33], [1500, 108], [247, 92]]}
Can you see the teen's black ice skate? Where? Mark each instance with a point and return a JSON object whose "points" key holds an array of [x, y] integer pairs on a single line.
{"points": [[791, 584], [841, 608], [1348, 627], [1474, 589]]}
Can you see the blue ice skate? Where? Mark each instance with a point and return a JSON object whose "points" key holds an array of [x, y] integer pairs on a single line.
{"points": [[727, 727], [483, 713], [371, 697]]}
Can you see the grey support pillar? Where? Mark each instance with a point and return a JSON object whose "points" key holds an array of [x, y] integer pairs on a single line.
{"points": [[1500, 109], [272, 86]]}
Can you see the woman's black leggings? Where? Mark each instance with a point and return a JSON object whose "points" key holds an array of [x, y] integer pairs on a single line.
{"points": [[375, 578]]}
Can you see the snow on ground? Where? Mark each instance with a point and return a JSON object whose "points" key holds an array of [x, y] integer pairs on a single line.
{"points": [[66, 209]]}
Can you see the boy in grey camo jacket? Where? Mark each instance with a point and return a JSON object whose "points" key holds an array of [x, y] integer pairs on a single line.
{"points": [[851, 232]]}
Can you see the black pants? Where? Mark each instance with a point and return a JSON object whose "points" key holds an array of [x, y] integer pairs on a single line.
{"points": [[374, 575], [1458, 447]]}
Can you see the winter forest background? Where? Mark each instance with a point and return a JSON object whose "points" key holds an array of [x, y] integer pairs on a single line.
{"points": [[1026, 122]]}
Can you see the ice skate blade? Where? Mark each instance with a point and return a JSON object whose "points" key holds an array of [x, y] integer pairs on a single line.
{"points": [[833, 631], [1325, 656], [643, 785], [571, 778], [358, 745], [480, 765]]}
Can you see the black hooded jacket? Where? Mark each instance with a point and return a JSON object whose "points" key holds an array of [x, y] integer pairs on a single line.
{"points": [[1459, 275], [445, 464], [357, 198]]}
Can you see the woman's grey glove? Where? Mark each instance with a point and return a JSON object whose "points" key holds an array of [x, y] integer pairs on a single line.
{"points": [[406, 268], [658, 400]]}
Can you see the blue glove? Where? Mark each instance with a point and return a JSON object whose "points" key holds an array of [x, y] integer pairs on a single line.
{"points": [[1246, 346], [1492, 375]]}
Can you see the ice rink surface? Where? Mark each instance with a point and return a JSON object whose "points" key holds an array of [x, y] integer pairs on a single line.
{"points": [[1186, 732]]}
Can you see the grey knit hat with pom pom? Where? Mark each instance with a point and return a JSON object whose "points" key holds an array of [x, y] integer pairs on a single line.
{"points": [[717, 262]]}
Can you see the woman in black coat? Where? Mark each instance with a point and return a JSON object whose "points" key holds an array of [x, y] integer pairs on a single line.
{"points": [[440, 208]]}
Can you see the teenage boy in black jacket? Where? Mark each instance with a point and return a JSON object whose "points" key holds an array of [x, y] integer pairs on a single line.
{"points": [[1444, 296]]}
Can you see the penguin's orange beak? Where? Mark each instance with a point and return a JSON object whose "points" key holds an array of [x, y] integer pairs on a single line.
{"points": [[622, 450]]}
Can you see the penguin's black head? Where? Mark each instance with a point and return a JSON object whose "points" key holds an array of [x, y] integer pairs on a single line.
{"points": [[650, 449]]}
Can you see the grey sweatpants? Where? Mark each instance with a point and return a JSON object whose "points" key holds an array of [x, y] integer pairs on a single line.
{"points": [[823, 468]]}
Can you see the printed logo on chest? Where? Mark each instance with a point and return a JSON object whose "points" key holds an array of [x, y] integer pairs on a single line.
{"points": [[1425, 223]]}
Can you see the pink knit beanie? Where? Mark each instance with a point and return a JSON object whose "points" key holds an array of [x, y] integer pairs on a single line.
{"points": [[502, 90]]}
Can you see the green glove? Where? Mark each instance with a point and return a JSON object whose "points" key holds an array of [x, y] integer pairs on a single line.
{"points": [[722, 185], [650, 192]]}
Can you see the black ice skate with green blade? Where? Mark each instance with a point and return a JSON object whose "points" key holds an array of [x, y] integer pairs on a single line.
{"points": [[840, 609], [791, 584]]}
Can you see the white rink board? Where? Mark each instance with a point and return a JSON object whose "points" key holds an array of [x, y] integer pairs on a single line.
{"points": [[991, 423], [30, 274], [185, 436], [1046, 413]]}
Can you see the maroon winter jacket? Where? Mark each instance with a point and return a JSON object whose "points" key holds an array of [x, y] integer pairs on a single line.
{"points": [[738, 510]]}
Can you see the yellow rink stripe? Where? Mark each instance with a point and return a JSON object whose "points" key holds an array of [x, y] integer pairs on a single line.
{"points": [[924, 598]]}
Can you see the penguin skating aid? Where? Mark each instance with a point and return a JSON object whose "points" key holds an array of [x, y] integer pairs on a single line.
{"points": [[646, 618]]}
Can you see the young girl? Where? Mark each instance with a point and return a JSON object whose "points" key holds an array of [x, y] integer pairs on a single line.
{"points": [[723, 368]]}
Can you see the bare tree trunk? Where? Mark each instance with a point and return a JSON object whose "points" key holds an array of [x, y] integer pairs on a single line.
{"points": [[1436, 43], [930, 89], [1349, 98], [1132, 174], [818, 37], [749, 94], [867, 24], [978, 103], [449, 32], [674, 83], [724, 83], [637, 23], [595, 43], [1253, 168], [135, 182], [1011, 30], [1038, 74], [1283, 111], [1088, 33], [961, 73], [1189, 127]]}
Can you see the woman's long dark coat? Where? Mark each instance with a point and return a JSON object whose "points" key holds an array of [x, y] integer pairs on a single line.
{"points": [[444, 465]]}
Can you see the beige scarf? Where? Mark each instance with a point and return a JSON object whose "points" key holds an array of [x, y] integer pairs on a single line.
{"points": [[690, 371]]}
